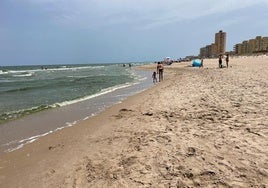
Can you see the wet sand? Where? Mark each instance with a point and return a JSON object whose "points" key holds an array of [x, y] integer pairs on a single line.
{"points": [[200, 127]]}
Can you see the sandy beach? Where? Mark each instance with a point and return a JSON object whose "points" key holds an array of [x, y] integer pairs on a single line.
{"points": [[200, 127]]}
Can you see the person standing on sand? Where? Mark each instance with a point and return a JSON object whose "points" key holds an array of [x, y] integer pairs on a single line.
{"points": [[154, 77], [227, 60], [201, 64], [220, 61], [160, 69]]}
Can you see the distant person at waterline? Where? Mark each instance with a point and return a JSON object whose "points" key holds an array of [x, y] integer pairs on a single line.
{"points": [[160, 70], [154, 77]]}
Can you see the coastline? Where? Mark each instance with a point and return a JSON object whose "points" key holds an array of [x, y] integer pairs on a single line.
{"points": [[15, 134], [200, 127]]}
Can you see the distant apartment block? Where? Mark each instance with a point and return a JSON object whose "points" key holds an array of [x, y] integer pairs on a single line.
{"points": [[216, 48], [252, 46], [220, 42]]}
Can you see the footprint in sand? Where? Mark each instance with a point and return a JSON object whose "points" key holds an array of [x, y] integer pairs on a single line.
{"points": [[191, 151], [55, 147], [124, 113], [163, 139]]}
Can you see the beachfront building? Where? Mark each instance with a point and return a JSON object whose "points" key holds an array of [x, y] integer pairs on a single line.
{"points": [[208, 51], [205, 51], [216, 48], [213, 50], [220, 42], [252, 46], [257, 43], [244, 47], [264, 44], [238, 49]]}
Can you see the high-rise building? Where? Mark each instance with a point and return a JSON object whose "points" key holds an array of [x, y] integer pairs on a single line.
{"points": [[216, 48], [220, 42]]}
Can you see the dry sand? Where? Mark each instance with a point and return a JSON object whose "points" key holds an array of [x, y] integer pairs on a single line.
{"points": [[201, 127]]}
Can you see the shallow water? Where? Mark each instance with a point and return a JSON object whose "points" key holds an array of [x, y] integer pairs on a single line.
{"points": [[28, 89], [15, 134]]}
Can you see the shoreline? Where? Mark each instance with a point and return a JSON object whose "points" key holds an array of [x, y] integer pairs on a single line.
{"points": [[199, 127], [48, 97], [27, 129]]}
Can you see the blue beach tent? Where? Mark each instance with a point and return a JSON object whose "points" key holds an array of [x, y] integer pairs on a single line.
{"points": [[196, 63]]}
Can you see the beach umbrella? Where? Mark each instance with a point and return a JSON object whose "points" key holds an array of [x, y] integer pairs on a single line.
{"points": [[196, 63]]}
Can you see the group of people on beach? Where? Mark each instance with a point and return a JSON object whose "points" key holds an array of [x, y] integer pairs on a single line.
{"points": [[219, 60], [159, 71], [226, 60], [160, 68]]}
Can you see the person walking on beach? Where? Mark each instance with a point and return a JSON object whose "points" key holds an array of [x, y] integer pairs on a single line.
{"points": [[220, 61], [154, 77], [227, 60], [160, 69]]}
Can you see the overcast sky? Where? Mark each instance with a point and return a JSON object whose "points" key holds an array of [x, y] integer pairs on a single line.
{"points": [[111, 31]]}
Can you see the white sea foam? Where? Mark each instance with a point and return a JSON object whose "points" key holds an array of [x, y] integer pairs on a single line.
{"points": [[20, 71], [102, 92], [44, 68], [77, 76], [10, 143], [34, 138], [85, 118], [3, 72], [66, 68], [24, 75]]}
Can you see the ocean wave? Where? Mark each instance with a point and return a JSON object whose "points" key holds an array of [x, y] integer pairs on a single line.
{"points": [[12, 115], [136, 76], [20, 89], [24, 75], [102, 92], [5, 81], [3, 72], [49, 68], [77, 76], [20, 113], [21, 72], [72, 68]]}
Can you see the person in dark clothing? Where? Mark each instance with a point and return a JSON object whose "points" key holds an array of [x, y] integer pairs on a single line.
{"points": [[220, 61]]}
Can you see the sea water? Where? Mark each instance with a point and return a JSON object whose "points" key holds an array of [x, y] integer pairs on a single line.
{"points": [[28, 89], [63, 94]]}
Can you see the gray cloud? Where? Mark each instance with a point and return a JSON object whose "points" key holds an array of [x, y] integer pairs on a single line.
{"points": [[99, 13]]}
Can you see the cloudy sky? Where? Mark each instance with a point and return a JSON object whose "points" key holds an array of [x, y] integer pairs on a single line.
{"points": [[107, 31]]}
